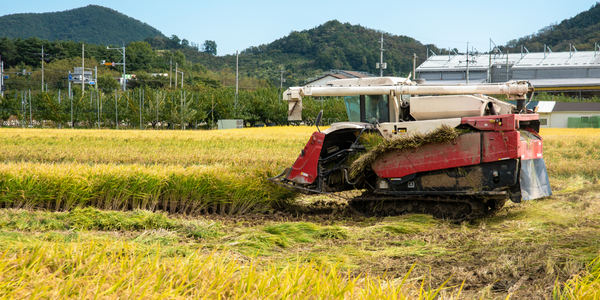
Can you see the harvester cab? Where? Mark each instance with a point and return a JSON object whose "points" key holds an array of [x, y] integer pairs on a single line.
{"points": [[448, 150]]}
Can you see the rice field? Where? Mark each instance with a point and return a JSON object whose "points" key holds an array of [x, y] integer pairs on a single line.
{"points": [[179, 172], [193, 172], [572, 152], [188, 214], [88, 271]]}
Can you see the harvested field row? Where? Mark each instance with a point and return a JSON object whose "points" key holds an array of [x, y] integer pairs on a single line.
{"points": [[188, 190], [196, 172]]}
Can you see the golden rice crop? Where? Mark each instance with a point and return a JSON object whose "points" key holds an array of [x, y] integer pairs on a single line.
{"points": [[191, 171], [246, 149], [582, 286], [175, 171], [176, 189], [572, 152], [116, 270]]}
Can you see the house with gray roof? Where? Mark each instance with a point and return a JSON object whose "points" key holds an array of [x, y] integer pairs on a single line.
{"points": [[335, 74], [566, 114]]}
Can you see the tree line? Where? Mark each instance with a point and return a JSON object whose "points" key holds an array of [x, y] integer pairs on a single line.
{"points": [[581, 31], [148, 108]]}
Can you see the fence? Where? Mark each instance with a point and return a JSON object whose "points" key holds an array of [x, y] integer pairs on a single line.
{"points": [[584, 122]]}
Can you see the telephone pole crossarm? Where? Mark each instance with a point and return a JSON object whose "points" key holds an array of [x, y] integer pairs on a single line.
{"points": [[122, 51]]}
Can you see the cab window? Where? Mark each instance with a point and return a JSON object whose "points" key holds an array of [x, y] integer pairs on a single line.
{"points": [[353, 108], [377, 108]]}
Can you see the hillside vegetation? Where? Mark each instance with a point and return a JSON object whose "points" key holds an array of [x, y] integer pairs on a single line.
{"points": [[581, 31], [333, 45], [300, 55], [91, 24]]}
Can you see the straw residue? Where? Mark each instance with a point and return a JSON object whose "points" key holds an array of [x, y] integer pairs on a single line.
{"points": [[444, 133]]}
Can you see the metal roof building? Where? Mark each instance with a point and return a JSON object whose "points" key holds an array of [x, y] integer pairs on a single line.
{"points": [[576, 72]]}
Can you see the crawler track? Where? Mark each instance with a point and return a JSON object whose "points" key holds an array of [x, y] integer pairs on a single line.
{"points": [[459, 208]]}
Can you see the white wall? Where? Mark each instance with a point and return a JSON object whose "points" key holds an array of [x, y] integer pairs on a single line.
{"points": [[546, 116], [561, 119]]}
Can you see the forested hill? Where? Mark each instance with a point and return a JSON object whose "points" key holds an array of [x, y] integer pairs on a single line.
{"points": [[307, 53], [336, 45], [582, 31], [91, 24]]}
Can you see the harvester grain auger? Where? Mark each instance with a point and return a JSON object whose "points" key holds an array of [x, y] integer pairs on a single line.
{"points": [[446, 150]]}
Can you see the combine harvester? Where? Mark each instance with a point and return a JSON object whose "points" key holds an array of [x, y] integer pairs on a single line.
{"points": [[446, 150]]}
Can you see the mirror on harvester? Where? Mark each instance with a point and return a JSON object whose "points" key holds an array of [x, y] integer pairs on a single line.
{"points": [[318, 120]]}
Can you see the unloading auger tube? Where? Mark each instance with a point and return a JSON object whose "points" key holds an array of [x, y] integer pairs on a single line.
{"points": [[473, 151], [515, 90]]}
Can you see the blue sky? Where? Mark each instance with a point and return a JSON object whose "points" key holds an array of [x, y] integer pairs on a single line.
{"points": [[236, 25]]}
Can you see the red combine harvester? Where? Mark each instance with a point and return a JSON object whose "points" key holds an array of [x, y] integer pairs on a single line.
{"points": [[447, 150]]}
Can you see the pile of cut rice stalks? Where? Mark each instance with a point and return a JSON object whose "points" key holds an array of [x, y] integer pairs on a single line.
{"points": [[443, 134]]}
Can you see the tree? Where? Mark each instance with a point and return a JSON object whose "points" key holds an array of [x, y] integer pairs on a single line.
{"points": [[139, 56], [209, 47], [108, 83]]}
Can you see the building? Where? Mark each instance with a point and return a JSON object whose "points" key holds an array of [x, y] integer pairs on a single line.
{"points": [[566, 114], [569, 114], [335, 74], [575, 73]]}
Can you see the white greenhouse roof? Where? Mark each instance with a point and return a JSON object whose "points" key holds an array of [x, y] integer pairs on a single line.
{"points": [[517, 60]]}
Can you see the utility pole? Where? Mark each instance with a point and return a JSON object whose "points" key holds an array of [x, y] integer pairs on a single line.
{"points": [[30, 111], [414, 66], [59, 124], [116, 111], [82, 68], [122, 51], [42, 68], [2, 76], [175, 74], [507, 52], [489, 74], [181, 78], [467, 62], [42, 55], [237, 61], [124, 81], [381, 65], [281, 81], [281, 78], [71, 96], [171, 71]]}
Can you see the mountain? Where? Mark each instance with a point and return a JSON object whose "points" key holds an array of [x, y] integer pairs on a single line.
{"points": [[91, 24], [308, 53], [581, 31]]}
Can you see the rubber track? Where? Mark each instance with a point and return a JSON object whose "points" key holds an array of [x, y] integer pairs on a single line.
{"points": [[369, 204]]}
